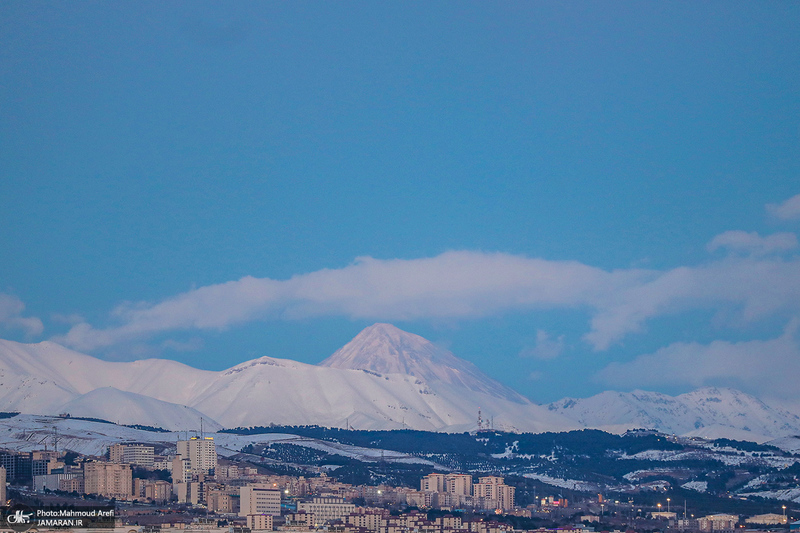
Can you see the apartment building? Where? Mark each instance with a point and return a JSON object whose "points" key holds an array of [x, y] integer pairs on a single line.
{"points": [[259, 499], [222, 502], [134, 454], [259, 522], [433, 483], [718, 522], [457, 490], [201, 453], [108, 479], [495, 493], [158, 491], [459, 484], [326, 509]]}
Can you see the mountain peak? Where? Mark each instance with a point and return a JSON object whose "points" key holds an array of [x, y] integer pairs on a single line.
{"points": [[387, 349]]}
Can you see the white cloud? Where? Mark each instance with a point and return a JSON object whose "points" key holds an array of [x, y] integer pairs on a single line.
{"points": [[11, 309], [545, 348], [767, 367], [460, 284], [788, 210], [753, 243], [749, 288], [451, 285]]}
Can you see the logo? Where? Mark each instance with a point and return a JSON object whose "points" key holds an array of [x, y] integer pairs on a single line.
{"points": [[19, 517]]}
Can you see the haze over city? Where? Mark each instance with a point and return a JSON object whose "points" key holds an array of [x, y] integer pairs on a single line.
{"points": [[572, 197]]}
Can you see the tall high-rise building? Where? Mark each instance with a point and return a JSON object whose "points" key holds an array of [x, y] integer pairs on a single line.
{"points": [[433, 483], [493, 488], [2, 486], [19, 466], [460, 484], [181, 473], [201, 453]]}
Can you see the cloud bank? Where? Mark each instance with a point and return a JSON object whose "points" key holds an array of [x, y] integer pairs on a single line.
{"points": [[753, 243], [762, 365], [469, 284], [11, 309], [788, 210]]}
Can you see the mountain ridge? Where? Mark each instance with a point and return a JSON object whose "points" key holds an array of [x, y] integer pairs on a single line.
{"points": [[267, 390], [712, 408], [384, 378]]}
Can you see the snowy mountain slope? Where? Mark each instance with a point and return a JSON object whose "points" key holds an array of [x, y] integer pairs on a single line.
{"points": [[30, 432], [384, 378], [717, 431], [267, 390], [386, 349], [74, 373], [789, 444], [123, 407], [704, 412], [289, 392], [737, 409], [501, 414]]}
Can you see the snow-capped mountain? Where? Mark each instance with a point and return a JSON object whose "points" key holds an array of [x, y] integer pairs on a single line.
{"points": [[46, 372], [384, 378], [707, 412], [386, 349], [46, 378], [287, 392]]}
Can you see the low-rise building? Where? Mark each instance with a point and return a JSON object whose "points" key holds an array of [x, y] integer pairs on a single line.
{"points": [[769, 519], [718, 522], [222, 501], [259, 499], [157, 491], [52, 481], [327, 509], [259, 522]]}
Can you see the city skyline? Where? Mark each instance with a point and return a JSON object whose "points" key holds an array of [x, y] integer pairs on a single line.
{"points": [[572, 198]]}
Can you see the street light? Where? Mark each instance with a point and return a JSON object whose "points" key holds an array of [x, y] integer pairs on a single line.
{"points": [[784, 514], [667, 504]]}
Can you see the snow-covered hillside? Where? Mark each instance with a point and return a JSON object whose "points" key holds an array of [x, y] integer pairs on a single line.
{"points": [[385, 378], [129, 408], [708, 412], [30, 432], [445, 394]]}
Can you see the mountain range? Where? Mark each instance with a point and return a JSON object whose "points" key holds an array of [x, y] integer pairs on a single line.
{"points": [[385, 378], [707, 412]]}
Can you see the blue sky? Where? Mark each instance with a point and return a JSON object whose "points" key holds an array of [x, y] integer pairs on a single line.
{"points": [[574, 196]]}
